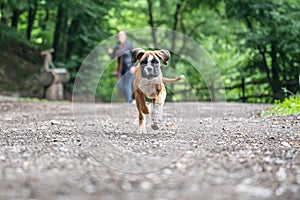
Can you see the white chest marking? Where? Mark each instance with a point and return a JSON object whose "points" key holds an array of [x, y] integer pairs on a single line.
{"points": [[148, 87]]}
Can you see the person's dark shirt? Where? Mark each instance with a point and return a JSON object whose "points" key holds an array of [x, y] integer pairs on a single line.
{"points": [[123, 53]]}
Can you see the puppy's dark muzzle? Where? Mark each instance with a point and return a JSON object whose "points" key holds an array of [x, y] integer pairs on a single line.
{"points": [[150, 72]]}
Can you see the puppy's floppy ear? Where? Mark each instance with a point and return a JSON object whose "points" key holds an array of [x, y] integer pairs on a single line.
{"points": [[163, 55], [137, 54]]}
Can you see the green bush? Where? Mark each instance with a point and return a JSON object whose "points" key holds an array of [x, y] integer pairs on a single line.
{"points": [[288, 106]]}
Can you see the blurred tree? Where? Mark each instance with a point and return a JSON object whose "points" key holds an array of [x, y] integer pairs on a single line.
{"points": [[32, 9], [248, 39], [272, 30]]}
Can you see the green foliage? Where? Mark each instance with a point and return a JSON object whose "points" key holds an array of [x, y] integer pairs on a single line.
{"points": [[20, 62], [257, 41], [106, 89], [270, 30], [289, 106], [13, 35]]}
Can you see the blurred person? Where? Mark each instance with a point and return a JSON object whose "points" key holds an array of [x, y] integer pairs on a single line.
{"points": [[125, 69]]}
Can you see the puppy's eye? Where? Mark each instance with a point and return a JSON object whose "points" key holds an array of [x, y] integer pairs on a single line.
{"points": [[144, 62], [154, 61]]}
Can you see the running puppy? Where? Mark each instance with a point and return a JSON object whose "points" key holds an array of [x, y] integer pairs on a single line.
{"points": [[148, 82]]}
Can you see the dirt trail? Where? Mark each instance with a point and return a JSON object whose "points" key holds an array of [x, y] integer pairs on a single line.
{"points": [[203, 151]]}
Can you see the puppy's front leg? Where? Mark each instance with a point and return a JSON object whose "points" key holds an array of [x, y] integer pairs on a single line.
{"points": [[157, 111], [142, 109]]}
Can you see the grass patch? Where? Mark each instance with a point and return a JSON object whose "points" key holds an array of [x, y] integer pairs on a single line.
{"points": [[28, 99], [25, 99], [288, 106]]}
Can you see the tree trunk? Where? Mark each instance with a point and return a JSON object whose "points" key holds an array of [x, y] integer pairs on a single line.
{"points": [[70, 41], [15, 18], [176, 16], [31, 17], [262, 51], [58, 30], [265, 64], [151, 23], [276, 83]]}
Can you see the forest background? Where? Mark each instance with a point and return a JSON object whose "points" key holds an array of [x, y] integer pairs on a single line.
{"points": [[255, 44]]}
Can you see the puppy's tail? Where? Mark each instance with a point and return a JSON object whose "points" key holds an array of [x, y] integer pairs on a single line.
{"points": [[172, 80]]}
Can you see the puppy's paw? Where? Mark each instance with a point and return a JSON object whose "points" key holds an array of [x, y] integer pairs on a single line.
{"points": [[155, 126]]}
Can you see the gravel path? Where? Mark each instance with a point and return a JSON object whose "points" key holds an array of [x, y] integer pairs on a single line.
{"points": [[203, 151]]}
